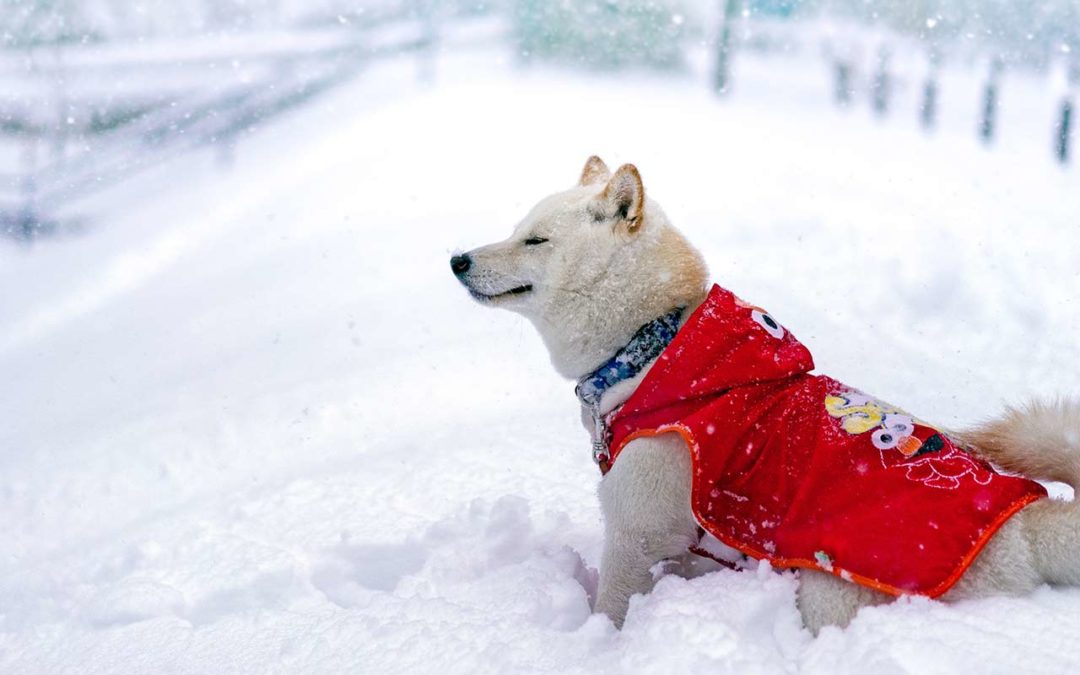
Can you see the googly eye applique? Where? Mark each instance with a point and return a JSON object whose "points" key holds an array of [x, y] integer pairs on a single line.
{"points": [[892, 429], [768, 323], [900, 425], [885, 439], [896, 432]]}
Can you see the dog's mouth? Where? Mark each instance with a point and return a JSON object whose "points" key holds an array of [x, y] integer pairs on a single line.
{"points": [[485, 297]]}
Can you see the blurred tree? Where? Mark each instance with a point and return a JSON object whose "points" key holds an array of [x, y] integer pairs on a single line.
{"points": [[28, 23], [1026, 32], [601, 33], [45, 22], [781, 8]]}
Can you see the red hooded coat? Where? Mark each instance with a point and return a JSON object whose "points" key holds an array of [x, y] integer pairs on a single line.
{"points": [[804, 471]]}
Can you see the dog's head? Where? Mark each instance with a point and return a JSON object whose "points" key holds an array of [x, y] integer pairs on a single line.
{"points": [[588, 266]]}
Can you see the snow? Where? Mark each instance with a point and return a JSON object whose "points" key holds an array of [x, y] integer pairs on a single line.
{"points": [[252, 423]]}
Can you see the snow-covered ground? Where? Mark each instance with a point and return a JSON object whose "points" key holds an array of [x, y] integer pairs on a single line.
{"points": [[252, 423]]}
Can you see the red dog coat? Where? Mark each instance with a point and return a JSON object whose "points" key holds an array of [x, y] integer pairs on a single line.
{"points": [[804, 471]]}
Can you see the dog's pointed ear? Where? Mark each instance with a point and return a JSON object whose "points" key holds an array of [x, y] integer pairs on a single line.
{"points": [[624, 197], [595, 171]]}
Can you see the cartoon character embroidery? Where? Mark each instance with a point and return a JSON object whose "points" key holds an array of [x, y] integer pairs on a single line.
{"points": [[946, 470], [892, 428]]}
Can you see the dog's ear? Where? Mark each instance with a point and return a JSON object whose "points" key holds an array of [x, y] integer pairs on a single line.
{"points": [[624, 197], [595, 171]]}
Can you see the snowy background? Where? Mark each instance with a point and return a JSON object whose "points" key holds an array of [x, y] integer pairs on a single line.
{"points": [[251, 423]]}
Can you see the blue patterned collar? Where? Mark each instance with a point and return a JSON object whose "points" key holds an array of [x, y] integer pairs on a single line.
{"points": [[647, 344]]}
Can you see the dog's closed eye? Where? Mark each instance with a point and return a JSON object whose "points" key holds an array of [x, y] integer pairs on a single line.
{"points": [[534, 241]]}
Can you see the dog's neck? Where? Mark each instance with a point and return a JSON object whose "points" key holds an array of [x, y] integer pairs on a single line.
{"points": [[617, 393], [641, 351], [609, 386]]}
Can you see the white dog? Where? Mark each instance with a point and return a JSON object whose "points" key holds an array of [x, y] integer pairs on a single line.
{"points": [[598, 266]]}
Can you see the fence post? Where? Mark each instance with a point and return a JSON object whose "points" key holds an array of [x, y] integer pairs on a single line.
{"points": [[722, 77], [27, 219], [845, 52], [881, 86], [988, 123], [63, 108], [928, 107], [842, 90], [1064, 131]]}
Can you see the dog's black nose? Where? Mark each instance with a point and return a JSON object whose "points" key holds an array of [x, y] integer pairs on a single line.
{"points": [[460, 264]]}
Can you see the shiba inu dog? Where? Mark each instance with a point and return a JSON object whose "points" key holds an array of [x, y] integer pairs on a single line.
{"points": [[621, 300]]}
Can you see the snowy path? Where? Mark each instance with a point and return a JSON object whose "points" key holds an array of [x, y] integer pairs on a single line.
{"points": [[252, 424]]}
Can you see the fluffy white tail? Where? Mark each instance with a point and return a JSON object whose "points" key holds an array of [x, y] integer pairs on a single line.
{"points": [[1040, 440]]}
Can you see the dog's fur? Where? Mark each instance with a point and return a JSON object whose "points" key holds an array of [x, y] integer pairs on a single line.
{"points": [[590, 265]]}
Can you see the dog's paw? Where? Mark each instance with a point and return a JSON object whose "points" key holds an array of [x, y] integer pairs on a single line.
{"points": [[614, 608]]}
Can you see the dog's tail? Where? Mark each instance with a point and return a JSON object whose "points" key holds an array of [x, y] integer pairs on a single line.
{"points": [[1040, 439]]}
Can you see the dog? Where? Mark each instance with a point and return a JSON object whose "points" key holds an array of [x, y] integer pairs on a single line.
{"points": [[613, 289]]}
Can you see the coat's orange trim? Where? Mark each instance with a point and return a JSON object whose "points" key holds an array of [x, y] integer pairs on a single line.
{"points": [[835, 570]]}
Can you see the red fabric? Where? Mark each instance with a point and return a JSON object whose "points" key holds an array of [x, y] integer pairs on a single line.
{"points": [[804, 471]]}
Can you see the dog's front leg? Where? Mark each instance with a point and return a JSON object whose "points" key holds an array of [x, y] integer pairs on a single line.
{"points": [[645, 499]]}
